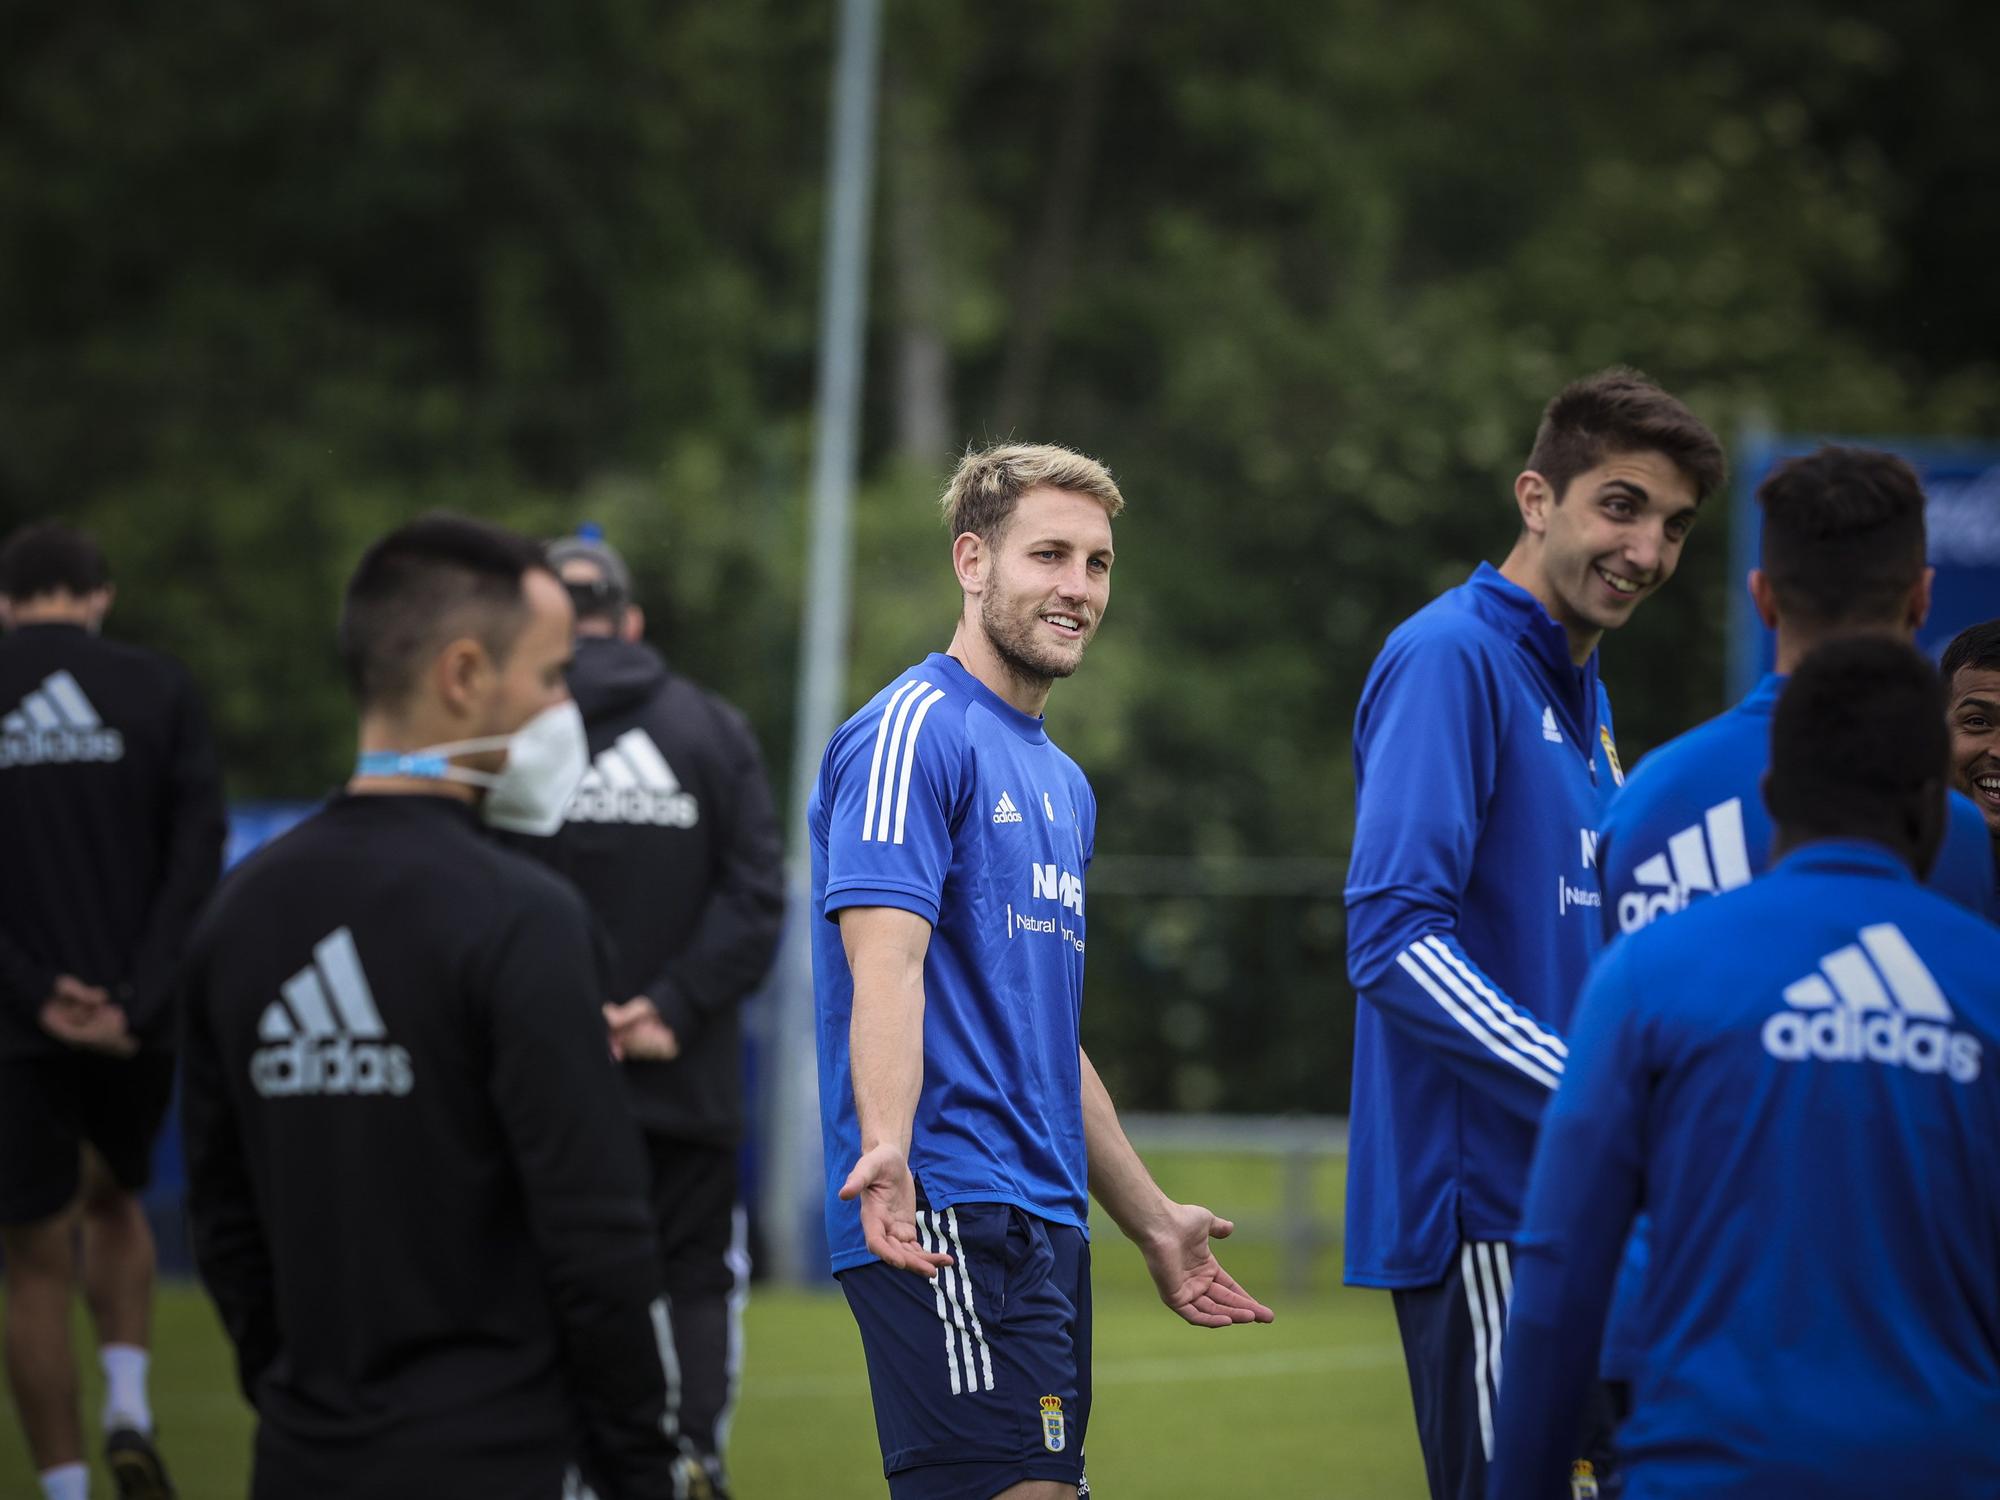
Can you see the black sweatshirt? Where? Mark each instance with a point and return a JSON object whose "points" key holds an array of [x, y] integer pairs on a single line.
{"points": [[673, 841], [416, 1191], [112, 822]]}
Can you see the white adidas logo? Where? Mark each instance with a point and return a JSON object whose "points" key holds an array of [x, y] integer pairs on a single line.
{"points": [[55, 725], [1706, 859], [1873, 1001], [631, 782], [1549, 731], [326, 1035], [1005, 811]]}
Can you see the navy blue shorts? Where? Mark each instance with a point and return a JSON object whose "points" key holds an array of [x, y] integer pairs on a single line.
{"points": [[981, 1379]]}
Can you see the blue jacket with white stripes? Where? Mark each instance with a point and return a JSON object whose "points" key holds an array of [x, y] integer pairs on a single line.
{"points": [[1797, 1081], [1482, 758], [1691, 824]]}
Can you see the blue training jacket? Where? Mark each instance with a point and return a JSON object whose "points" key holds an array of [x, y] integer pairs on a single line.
{"points": [[1482, 758], [1800, 1082], [1692, 822]]}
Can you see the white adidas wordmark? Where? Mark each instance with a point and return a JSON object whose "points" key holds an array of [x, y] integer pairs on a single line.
{"points": [[631, 782], [56, 725], [957, 1309], [1873, 1001], [1703, 859], [1494, 1023], [895, 755], [1005, 811], [325, 1035], [1549, 731]]}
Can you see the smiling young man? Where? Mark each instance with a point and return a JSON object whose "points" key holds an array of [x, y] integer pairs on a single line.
{"points": [[1971, 670], [964, 1126], [1483, 756]]}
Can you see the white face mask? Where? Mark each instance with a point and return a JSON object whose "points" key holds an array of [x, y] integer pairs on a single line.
{"points": [[546, 759]]}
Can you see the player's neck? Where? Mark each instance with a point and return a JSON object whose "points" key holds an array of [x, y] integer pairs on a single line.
{"points": [[973, 651], [1523, 569], [381, 734], [1797, 642]]}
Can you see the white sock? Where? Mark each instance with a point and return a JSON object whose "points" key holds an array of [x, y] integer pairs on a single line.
{"points": [[66, 1482], [125, 1403]]}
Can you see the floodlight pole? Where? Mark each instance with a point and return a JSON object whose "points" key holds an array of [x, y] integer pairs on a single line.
{"points": [[791, 1177]]}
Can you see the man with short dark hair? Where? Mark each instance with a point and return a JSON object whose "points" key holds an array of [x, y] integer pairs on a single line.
{"points": [[1842, 555], [1483, 755], [1971, 670], [414, 1184], [673, 840], [1797, 1081], [111, 804]]}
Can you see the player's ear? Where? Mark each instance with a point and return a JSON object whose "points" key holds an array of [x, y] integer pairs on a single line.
{"points": [[633, 626], [1919, 609], [969, 556], [459, 673], [1534, 496], [1763, 597]]}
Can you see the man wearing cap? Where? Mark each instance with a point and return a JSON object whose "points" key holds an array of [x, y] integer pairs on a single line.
{"points": [[673, 841]]}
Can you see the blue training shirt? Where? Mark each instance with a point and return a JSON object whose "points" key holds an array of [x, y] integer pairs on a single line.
{"points": [[939, 798], [1800, 1082], [1482, 758], [1692, 823]]}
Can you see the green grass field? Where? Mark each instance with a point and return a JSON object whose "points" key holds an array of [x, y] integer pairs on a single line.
{"points": [[1313, 1406]]}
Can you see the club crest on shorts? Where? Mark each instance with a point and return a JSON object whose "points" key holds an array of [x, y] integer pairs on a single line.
{"points": [[1053, 1437]]}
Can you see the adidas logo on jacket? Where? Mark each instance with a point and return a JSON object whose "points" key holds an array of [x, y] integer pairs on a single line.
{"points": [[326, 1035]]}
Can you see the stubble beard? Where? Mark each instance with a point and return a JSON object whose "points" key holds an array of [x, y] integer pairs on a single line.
{"points": [[1024, 658]]}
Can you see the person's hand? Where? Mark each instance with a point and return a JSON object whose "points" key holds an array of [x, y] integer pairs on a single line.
{"points": [[81, 998], [637, 1032], [98, 1027], [1190, 1279], [888, 1194]]}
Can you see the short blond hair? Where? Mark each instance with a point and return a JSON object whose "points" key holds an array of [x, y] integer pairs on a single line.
{"points": [[989, 483]]}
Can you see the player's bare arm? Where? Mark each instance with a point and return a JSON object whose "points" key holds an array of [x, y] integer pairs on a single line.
{"points": [[1172, 1237], [885, 954]]}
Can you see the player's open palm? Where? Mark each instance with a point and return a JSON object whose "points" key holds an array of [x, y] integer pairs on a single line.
{"points": [[888, 1194], [1191, 1280]]}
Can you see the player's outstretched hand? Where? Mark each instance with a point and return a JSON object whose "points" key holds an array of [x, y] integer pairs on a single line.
{"points": [[1191, 1280], [888, 1194]]}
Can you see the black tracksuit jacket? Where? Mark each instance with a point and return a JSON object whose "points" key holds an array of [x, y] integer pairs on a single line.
{"points": [[111, 822], [417, 1194], [673, 841]]}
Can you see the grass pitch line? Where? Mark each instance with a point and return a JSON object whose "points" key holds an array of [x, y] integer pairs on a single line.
{"points": [[1193, 1371]]}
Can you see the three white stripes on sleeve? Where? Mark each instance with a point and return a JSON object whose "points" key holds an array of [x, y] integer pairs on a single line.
{"points": [[964, 1338], [889, 774], [1492, 1021]]}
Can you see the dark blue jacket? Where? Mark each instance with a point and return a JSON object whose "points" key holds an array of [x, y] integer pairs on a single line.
{"points": [[1483, 756]]}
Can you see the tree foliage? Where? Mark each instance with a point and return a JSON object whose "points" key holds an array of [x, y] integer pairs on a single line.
{"points": [[275, 277]]}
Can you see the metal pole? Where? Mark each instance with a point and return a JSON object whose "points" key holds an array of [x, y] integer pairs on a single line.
{"points": [[792, 1175]]}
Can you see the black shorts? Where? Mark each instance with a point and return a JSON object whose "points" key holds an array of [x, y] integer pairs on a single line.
{"points": [[51, 1104]]}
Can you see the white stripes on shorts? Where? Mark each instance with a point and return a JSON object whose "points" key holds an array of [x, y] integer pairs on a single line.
{"points": [[1489, 1292], [957, 1309]]}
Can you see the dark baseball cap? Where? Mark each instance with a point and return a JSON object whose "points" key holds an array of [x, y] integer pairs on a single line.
{"points": [[612, 589]]}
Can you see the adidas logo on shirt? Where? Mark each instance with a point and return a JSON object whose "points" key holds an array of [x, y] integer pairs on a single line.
{"points": [[1005, 811], [1873, 1001], [631, 782], [325, 1035], [55, 725], [1706, 858], [1549, 731]]}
